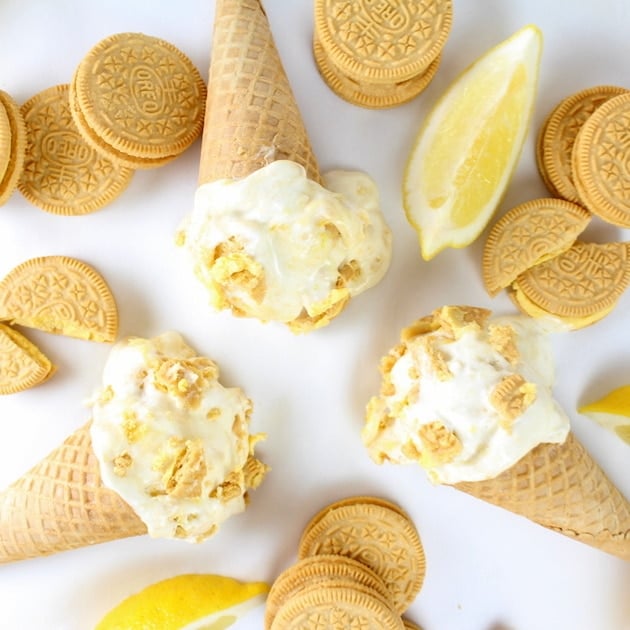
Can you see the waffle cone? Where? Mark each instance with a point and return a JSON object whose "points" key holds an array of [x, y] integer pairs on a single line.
{"points": [[61, 504], [251, 115], [561, 487]]}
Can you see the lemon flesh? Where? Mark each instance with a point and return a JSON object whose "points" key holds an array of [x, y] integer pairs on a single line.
{"points": [[612, 411], [186, 602], [468, 147]]}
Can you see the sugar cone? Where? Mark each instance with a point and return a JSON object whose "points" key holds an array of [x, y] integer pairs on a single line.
{"points": [[61, 504], [251, 115], [560, 487]]}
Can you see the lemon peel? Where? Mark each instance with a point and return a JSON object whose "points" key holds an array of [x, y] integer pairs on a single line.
{"points": [[467, 149], [186, 602], [611, 411]]}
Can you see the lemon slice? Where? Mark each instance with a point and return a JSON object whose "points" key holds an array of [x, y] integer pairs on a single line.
{"points": [[469, 144], [612, 412], [186, 602]]}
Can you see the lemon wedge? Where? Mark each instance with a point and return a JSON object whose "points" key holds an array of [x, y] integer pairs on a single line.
{"points": [[186, 602], [469, 144], [612, 412]]}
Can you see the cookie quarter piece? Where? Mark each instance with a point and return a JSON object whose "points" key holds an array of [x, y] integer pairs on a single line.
{"points": [[61, 295], [527, 235], [22, 365]]}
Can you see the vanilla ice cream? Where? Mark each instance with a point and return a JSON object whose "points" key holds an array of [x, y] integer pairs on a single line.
{"points": [[465, 395], [171, 440], [278, 246]]}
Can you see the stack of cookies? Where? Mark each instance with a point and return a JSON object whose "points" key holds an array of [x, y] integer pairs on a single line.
{"points": [[56, 294], [583, 148], [534, 249], [134, 102], [359, 560], [12, 145], [380, 54]]}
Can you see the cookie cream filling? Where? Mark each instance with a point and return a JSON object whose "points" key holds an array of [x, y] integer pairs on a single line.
{"points": [[171, 440], [279, 247], [465, 396]]}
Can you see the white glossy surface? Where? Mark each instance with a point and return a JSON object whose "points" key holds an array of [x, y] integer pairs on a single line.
{"points": [[487, 569]]}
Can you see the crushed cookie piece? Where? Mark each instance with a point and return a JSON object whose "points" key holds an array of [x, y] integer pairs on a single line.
{"points": [[414, 394], [389, 360], [441, 445], [420, 327], [232, 267], [437, 359], [348, 272], [386, 365], [106, 395], [239, 426], [457, 320], [254, 472], [503, 339], [122, 463], [232, 487], [213, 414], [186, 379], [132, 428], [410, 451], [321, 313], [511, 397], [254, 439], [183, 477]]}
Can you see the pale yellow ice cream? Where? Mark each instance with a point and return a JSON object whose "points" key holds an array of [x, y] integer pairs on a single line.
{"points": [[465, 395], [279, 247], [171, 440]]}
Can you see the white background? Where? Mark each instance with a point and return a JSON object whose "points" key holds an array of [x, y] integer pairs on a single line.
{"points": [[486, 569]]}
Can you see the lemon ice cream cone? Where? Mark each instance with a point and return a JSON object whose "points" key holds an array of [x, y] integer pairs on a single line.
{"points": [[469, 397], [251, 115], [561, 487], [168, 452], [62, 504]]}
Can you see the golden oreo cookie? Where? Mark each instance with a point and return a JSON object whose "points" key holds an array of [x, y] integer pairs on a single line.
{"points": [[321, 570], [578, 287], [410, 625], [600, 161], [372, 96], [62, 173], [558, 135], [527, 235], [139, 98], [374, 533], [382, 42], [12, 146], [5, 141], [61, 295], [336, 609], [22, 365]]}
